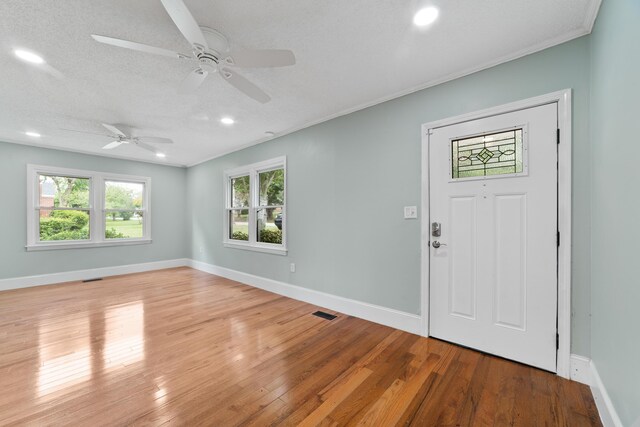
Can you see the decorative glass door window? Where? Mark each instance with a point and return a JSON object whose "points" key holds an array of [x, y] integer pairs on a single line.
{"points": [[491, 154]]}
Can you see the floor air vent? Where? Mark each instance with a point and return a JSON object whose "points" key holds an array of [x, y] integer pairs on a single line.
{"points": [[92, 280], [324, 315]]}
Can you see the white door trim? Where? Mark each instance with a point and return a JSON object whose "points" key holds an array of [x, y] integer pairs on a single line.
{"points": [[563, 99]]}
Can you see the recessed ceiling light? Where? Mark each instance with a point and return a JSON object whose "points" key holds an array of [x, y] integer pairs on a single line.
{"points": [[425, 16], [227, 121], [269, 133], [33, 134], [28, 56], [161, 155]]}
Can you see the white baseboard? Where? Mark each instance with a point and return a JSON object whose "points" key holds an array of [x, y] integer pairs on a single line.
{"points": [[70, 276], [584, 371], [374, 313], [580, 369], [608, 414]]}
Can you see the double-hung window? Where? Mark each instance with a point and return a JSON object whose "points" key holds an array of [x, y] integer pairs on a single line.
{"points": [[69, 208], [255, 207]]}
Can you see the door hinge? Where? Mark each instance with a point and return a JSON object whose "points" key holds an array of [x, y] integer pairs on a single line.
{"points": [[558, 239], [557, 341], [558, 135]]}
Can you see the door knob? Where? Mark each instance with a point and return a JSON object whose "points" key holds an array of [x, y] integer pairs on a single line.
{"points": [[437, 244]]}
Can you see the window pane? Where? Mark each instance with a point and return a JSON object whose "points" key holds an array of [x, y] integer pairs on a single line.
{"points": [[64, 192], [123, 195], [269, 225], [272, 187], [491, 154], [124, 225], [64, 225], [239, 224], [240, 192]]}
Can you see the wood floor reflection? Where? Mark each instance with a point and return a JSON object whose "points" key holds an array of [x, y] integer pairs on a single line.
{"points": [[184, 347]]}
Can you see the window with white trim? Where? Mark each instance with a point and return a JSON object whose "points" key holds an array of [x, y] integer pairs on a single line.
{"points": [[70, 208], [255, 207]]}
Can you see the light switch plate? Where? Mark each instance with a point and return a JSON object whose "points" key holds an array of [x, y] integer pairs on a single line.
{"points": [[410, 212]]}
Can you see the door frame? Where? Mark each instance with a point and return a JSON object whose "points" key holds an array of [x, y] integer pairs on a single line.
{"points": [[563, 100]]}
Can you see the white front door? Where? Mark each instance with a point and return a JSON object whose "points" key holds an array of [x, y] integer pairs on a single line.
{"points": [[493, 268]]}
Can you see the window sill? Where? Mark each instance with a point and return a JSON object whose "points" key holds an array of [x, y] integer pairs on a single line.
{"points": [[256, 248], [76, 245]]}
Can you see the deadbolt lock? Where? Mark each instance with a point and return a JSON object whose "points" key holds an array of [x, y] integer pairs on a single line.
{"points": [[435, 229]]}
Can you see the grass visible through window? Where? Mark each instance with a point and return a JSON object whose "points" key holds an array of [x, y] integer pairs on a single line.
{"points": [[130, 229]]}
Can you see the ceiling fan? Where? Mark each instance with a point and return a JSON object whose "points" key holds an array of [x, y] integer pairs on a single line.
{"points": [[212, 52], [125, 138]]}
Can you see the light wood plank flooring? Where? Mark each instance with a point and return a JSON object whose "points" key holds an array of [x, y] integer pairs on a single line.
{"points": [[183, 347]]}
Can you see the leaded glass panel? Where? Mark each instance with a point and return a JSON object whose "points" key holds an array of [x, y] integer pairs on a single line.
{"points": [[499, 153]]}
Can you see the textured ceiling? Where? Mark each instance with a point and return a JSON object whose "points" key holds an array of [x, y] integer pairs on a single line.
{"points": [[350, 54]]}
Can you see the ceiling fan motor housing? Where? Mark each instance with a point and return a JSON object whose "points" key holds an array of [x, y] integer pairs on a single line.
{"points": [[208, 61], [218, 44]]}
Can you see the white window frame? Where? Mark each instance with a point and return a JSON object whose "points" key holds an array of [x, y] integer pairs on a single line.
{"points": [[254, 170], [97, 209]]}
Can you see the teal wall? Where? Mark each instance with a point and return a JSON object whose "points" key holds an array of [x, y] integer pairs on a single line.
{"points": [[349, 178], [168, 225], [615, 135]]}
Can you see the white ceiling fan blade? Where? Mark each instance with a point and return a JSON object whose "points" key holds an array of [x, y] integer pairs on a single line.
{"points": [[114, 130], [146, 147], [185, 22], [154, 140], [112, 145], [244, 85], [83, 131], [193, 80], [137, 46], [52, 71], [267, 58]]}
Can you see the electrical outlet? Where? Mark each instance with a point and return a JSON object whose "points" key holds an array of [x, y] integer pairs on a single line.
{"points": [[292, 267], [410, 212]]}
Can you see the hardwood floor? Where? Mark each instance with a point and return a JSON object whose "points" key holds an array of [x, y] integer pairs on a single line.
{"points": [[184, 347]]}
